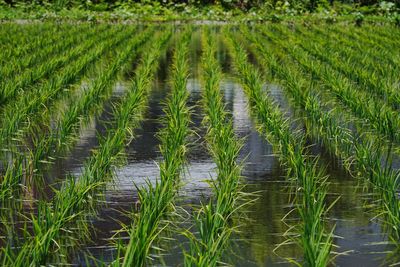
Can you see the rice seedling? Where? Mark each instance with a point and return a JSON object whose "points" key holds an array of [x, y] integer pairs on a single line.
{"points": [[66, 107], [21, 83], [156, 201], [381, 117], [61, 137], [54, 45], [30, 103], [60, 224], [213, 218], [310, 183], [361, 157], [355, 66]]}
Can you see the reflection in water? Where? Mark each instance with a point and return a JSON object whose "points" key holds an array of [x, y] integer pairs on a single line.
{"points": [[263, 228], [88, 139]]}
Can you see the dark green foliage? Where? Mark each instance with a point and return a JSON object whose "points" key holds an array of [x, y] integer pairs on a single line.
{"points": [[201, 7]]}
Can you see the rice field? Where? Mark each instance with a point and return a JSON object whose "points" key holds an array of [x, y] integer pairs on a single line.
{"points": [[199, 145]]}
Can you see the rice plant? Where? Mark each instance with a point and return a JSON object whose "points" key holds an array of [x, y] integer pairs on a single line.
{"points": [[156, 201], [65, 105], [309, 180], [213, 218], [76, 199], [381, 117], [362, 157]]}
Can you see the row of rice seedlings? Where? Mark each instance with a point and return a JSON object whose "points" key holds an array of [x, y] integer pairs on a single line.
{"points": [[19, 41], [61, 41], [361, 157], [33, 102], [388, 34], [357, 124], [380, 116], [214, 217], [379, 79], [23, 82], [354, 65], [89, 103], [61, 45], [15, 34], [341, 59], [308, 179], [61, 224], [14, 185], [157, 201], [59, 139], [28, 160], [48, 142], [363, 55], [366, 55], [374, 38]]}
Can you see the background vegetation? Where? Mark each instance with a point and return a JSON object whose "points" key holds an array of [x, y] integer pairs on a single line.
{"points": [[192, 9]]}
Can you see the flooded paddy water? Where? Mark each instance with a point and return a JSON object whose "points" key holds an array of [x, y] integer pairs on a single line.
{"points": [[359, 238]]}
